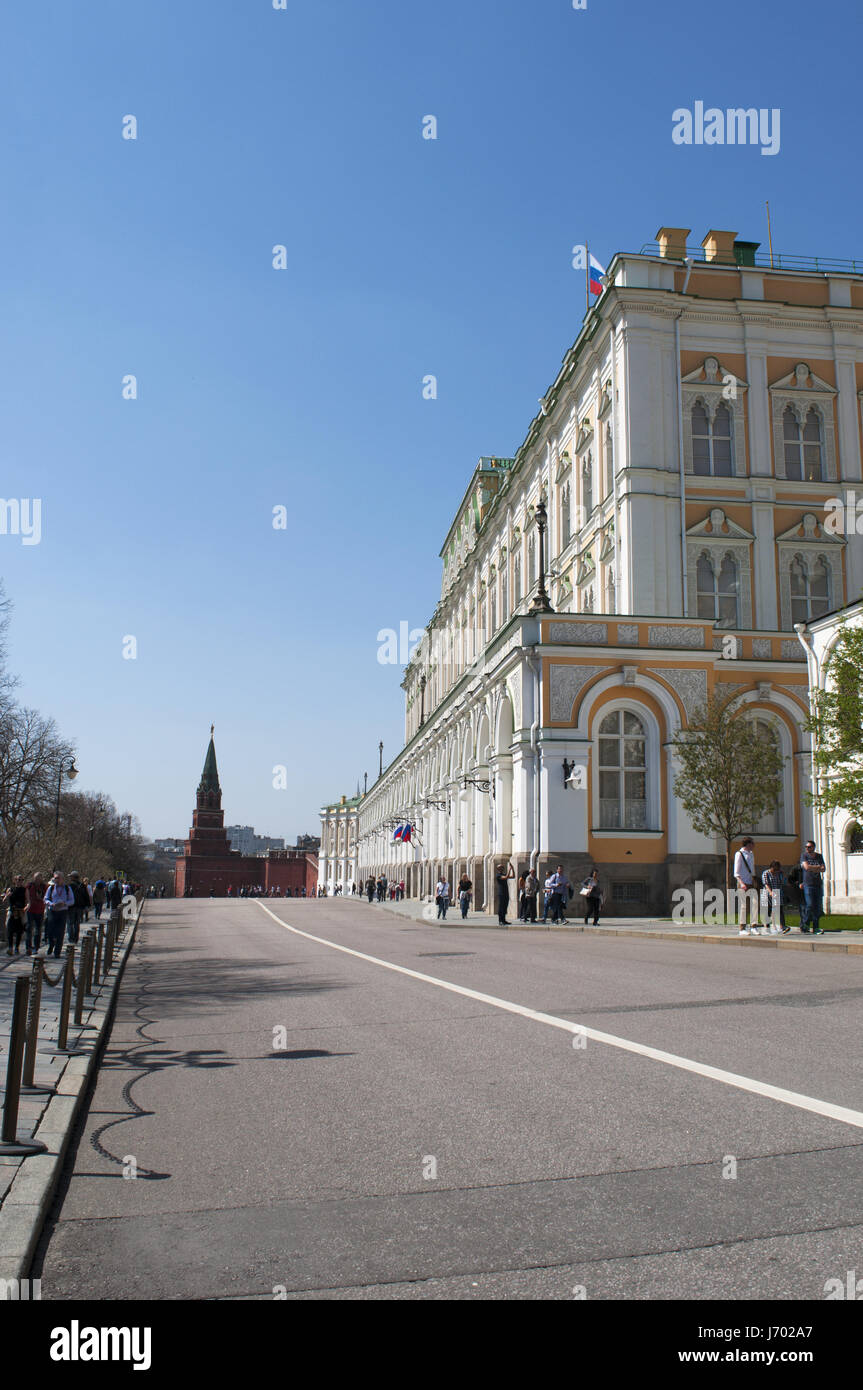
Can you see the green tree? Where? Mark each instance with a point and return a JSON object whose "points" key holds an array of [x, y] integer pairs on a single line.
{"points": [[730, 771], [836, 725]]}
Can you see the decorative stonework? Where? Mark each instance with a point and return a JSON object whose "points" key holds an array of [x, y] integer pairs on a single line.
{"points": [[565, 685], [715, 538], [802, 390], [708, 386], [762, 647], [664, 635], [627, 634], [691, 686], [792, 651], [579, 634]]}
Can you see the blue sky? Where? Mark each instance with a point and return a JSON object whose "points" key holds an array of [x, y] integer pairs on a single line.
{"points": [[303, 387]]}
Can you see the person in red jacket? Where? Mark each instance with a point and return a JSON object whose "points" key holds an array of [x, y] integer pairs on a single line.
{"points": [[35, 911]]}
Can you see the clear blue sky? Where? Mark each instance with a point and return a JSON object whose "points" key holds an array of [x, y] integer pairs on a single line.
{"points": [[303, 387]]}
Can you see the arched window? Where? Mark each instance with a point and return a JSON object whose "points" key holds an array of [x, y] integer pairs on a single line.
{"points": [[810, 589], [855, 840], [492, 607], [516, 580], [504, 594], [712, 453], [587, 600], [531, 563], [609, 591], [803, 447], [609, 461], [773, 823], [622, 772], [565, 527], [587, 487], [717, 590]]}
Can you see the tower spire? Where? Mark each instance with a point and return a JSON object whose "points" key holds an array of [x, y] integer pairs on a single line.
{"points": [[209, 791]]}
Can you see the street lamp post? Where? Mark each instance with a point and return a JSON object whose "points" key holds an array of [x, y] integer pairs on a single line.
{"points": [[380, 759], [71, 772], [541, 601]]}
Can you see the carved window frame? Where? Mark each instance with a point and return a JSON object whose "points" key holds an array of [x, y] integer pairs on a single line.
{"points": [[801, 399], [741, 553], [709, 395]]}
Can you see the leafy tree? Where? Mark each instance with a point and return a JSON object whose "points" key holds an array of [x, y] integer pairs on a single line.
{"points": [[730, 771], [836, 724]]}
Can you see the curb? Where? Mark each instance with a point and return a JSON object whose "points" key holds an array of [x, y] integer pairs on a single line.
{"points": [[29, 1199], [851, 948]]}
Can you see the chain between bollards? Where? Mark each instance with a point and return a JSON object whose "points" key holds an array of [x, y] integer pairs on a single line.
{"points": [[9, 1135]]}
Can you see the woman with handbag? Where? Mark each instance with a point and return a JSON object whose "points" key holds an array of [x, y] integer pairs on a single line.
{"points": [[592, 894]]}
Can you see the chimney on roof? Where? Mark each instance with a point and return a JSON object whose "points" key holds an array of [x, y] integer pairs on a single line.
{"points": [[719, 247], [672, 242]]}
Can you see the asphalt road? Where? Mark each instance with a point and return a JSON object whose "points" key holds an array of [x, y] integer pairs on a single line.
{"points": [[311, 1124]]}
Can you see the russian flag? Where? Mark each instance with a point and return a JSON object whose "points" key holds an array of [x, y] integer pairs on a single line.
{"points": [[398, 833], [406, 834], [594, 275]]}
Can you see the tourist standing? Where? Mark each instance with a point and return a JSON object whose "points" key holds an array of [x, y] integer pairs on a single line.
{"points": [[813, 867], [531, 892], [744, 877], [502, 876], [773, 881]]}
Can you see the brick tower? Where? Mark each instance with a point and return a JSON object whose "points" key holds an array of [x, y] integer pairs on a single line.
{"points": [[207, 861]]}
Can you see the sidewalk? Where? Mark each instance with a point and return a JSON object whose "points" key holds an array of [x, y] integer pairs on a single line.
{"points": [[27, 1184], [842, 942]]}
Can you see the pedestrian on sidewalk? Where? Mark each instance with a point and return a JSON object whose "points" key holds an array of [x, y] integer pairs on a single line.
{"points": [[76, 911], [370, 888], [59, 898], [98, 898], [531, 891], [520, 896], [547, 892], [15, 902], [773, 882], [465, 893], [591, 894], [558, 884], [442, 898], [744, 877], [813, 867], [35, 911], [502, 876]]}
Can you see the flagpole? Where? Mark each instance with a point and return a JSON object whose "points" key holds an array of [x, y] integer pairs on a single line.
{"points": [[587, 276]]}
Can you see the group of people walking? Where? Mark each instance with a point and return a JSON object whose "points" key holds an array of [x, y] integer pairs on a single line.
{"points": [[380, 890], [40, 913]]}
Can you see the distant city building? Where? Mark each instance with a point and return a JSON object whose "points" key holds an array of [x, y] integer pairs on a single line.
{"points": [[169, 846], [310, 843], [244, 840]]}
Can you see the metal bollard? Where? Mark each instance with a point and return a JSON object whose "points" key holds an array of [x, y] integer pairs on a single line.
{"points": [[100, 932], [34, 1005], [65, 1002], [85, 961], [9, 1142], [88, 988]]}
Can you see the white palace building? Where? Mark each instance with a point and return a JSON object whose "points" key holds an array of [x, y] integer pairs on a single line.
{"points": [[678, 479]]}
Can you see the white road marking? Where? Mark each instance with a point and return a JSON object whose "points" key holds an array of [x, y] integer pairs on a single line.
{"points": [[728, 1078]]}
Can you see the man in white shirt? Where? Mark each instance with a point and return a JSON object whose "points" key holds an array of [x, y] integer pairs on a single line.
{"points": [[744, 877]]}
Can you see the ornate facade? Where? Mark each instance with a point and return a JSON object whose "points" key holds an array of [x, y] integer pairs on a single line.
{"points": [[837, 833], [687, 453]]}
